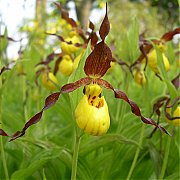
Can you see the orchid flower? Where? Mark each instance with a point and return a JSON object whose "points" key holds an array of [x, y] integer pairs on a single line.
{"points": [[92, 115]]}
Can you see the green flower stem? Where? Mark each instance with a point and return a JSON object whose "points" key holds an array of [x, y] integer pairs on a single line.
{"points": [[164, 165], [75, 155], [2, 146], [137, 153]]}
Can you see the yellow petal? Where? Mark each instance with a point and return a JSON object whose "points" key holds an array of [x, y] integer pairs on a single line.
{"points": [[66, 65]]}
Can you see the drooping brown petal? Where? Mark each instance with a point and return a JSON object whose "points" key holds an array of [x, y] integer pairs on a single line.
{"points": [[91, 25], [105, 26], [145, 49], [173, 103], [65, 15], [158, 104], [32, 121], [135, 110], [94, 39], [82, 34], [3, 133], [51, 100], [63, 40], [38, 73], [169, 35], [98, 62], [73, 86], [3, 69], [120, 62], [176, 81], [104, 84], [168, 116], [7, 67], [56, 67], [134, 107], [49, 58]]}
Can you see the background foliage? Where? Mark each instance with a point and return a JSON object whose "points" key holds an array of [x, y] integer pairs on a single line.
{"points": [[126, 151]]}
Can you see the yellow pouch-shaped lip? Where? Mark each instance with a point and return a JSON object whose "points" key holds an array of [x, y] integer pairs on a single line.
{"points": [[91, 119], [66, 65], [152, 61]]}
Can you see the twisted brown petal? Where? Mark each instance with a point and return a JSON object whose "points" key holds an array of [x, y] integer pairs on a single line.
{"points": [[65, 16], [169, 35], [134, 107], [73, 86], [3, 133], [50, 101]]}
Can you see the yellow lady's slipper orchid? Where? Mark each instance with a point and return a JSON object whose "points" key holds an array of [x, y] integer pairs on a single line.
{"points": [[49, 81], [92, 115], [152, 59], [70, 48], [66, 65], [139, 77], [175, 122]]}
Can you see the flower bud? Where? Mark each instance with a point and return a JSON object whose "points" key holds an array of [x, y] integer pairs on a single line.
{"points": [[92, 115], [49, 81]]}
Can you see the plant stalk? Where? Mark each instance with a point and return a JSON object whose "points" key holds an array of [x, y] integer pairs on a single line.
{"points": [[75, 155], [137, 153]]}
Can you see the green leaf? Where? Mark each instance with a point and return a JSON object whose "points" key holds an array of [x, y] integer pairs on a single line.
{"points": [[97, 142], [174, 176], [156, 158], [133, 40], [76, 75], [37, 162], [171, 52]]}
